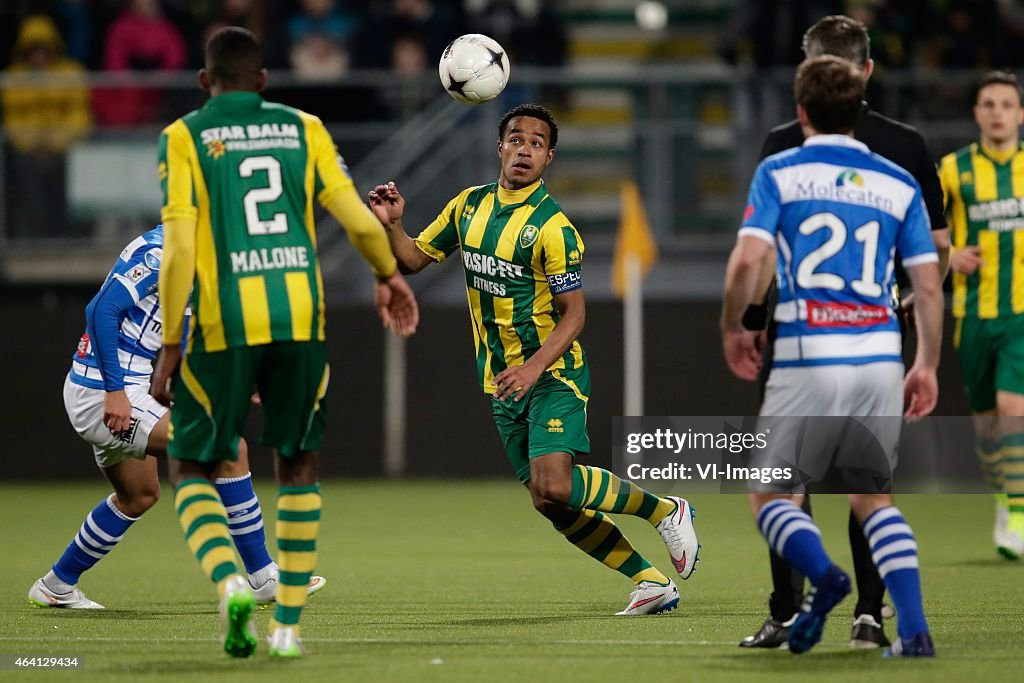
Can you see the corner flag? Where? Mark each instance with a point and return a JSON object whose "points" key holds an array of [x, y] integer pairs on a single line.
{"points": [[634, 241]]}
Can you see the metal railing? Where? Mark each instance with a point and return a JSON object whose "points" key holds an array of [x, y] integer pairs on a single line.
{"points": [[689, 136]]}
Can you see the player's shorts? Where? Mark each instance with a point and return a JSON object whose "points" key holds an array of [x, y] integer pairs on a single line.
{"points": [[552, 418], [835, 427], [213, 393], [85, 410], [991, 356]]}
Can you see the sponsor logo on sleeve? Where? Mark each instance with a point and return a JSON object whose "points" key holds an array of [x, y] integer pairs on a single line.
{"points": [[137, 274], [748, 213], [574, 257], [153, 258], [565, 282]]}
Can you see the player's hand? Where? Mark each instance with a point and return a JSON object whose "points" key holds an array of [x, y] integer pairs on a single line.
{"points": [[907, 305], [742, 354], [162, 383], [117, 411], [516, 381], [387, 203], [966, 260], [920, 392], [396, 305]]}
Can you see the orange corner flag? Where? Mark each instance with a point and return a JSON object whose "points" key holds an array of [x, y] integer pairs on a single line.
{"points": [[634, 239]]}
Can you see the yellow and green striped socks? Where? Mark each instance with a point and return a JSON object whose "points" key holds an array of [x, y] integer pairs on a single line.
{"points": [[298, 524], [598, 536], [205, 523], [1012, 450], [596, 489], [990, 458]]}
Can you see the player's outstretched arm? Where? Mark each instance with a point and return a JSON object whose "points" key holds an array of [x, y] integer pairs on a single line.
{"points": [[388, 205], [518, 379], [920, 387]]}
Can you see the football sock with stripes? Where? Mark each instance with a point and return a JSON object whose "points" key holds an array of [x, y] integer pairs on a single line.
{"points": [[596, 489], [205, 524], [597, 535], [102, 529], [990, 458], [894, 551], [298, 525], [792, 534], [245, 521], [1011, 448]]}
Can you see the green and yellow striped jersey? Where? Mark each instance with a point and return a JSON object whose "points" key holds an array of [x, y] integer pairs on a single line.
{"points": [[518, 250], [985, 201], [248, 171]]}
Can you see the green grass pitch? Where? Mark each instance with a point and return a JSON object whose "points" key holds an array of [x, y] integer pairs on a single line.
{"points": [[463, 581]]}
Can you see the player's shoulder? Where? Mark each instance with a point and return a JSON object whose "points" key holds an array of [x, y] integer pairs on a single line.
{"points": [[147, 248], [956, 154], [790, 156], [300, 115], [878, 163]]}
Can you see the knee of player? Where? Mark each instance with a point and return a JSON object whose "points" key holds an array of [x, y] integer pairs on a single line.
{"points": [[136, 503], [551, 491]]}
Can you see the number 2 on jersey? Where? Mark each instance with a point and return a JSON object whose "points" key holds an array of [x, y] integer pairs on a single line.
{"points": [[257, 195], [807, 275]]}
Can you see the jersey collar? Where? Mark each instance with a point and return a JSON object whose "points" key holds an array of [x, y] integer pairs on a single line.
{"points": [[835, 141], [236, 99], [998, 158], [531, 194]]}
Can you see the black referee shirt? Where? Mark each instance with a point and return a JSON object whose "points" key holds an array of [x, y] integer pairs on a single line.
{"points": [[897, 142]]}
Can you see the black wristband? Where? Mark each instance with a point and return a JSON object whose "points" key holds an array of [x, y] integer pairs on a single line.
{"points": [[755, 318]]}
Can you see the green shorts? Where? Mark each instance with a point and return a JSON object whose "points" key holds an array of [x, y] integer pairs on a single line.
{"points": [[552, 418], [991, 356], [213, 393]]}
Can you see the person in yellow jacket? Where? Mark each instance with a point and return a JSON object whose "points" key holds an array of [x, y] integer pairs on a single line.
{"points": [[45, 110]]}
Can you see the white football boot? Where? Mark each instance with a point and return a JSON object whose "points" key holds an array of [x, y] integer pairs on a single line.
{"points": [[41, 596], [651, 598], [267, 593], [676, 530]]}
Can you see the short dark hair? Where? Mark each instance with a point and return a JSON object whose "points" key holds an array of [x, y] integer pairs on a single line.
{"points": [[535, 111], [840, 36], [999, 78], [234, 57], [831, 91]]}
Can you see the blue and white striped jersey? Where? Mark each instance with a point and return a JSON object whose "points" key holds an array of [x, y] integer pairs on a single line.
{"points": [[123, 321], [837, 214]]}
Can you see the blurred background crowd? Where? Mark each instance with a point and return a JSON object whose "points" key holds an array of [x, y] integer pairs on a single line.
{"points": [[675, 95]]}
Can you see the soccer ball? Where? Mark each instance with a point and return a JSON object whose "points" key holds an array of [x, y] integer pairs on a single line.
{"points": [[474, 68]]}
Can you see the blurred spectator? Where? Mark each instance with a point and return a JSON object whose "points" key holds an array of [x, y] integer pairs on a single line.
{"points": [[318, 57], [76, 18], [410, 92], [324, 18], [434, 25], [531, 32], [140, 39], [45, 110], [768, 33], [969, 37], [205, 18]]}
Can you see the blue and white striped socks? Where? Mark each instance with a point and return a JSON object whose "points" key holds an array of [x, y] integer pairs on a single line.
{"points": [[894, 552], [793, 535], [102, 529], [245, 521]]}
